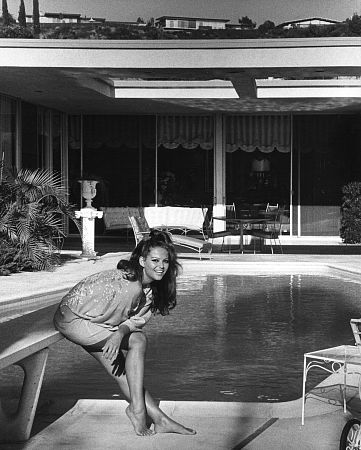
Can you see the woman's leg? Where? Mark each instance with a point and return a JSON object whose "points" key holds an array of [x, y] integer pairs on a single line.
{"points": [[131, 385], [134, 372]]}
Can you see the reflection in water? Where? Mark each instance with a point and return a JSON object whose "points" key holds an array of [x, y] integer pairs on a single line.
{"points": [[230, 338], [220, 310]]}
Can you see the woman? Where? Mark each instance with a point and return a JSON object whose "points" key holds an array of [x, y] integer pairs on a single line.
{"points": [[105, 313]]}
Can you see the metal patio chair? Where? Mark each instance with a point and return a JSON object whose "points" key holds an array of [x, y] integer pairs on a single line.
{"points": [[271, 230], [228, 232], [142, 230]]}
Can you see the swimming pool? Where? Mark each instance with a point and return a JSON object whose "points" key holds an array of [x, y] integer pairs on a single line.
{"points": [[230, 338]]}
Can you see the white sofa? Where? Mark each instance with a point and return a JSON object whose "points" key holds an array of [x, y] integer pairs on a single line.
{"points": [[171, 217], [176, 217]]}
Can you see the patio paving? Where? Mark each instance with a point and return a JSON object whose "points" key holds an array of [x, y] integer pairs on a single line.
{"points": [[102, 424]]}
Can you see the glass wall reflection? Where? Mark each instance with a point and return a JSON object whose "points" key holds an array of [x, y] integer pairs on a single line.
{"points": [[7, 130]]}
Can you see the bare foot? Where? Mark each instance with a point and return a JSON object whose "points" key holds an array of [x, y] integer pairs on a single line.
{"points": [[138, 420], [167, 425]]}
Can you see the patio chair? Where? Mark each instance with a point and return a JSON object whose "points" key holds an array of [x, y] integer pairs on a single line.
{"points": [[271, 208], [234, 231], [231, 211], [141, 230], [355, 326], [231, 214], [271, 230]]}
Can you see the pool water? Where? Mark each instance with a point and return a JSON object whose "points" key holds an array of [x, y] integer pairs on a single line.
{"points": [[230, 338]]}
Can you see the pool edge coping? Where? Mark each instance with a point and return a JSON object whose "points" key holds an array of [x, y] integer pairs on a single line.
{"points": [[213, 267]]}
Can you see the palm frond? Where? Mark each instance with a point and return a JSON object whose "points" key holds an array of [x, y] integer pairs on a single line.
{"points": [[33, 204]]}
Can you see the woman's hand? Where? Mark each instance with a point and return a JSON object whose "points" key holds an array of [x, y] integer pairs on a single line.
{"points": [[112, 346]]}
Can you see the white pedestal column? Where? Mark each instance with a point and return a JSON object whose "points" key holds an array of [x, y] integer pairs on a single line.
{"points": [[88, 216], [219, 208]]}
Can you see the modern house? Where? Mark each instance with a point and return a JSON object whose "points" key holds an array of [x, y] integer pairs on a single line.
{"points": [[190, 23], [127, 23], [244, 121], [60, 17], [305, 23]]}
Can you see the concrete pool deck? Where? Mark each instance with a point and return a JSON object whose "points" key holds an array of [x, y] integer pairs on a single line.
{"points": [[102, 424], [220, 426]]}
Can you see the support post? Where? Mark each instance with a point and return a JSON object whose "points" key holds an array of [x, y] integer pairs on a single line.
{"points": [[219, 208], [88, 216], [17, 427]]}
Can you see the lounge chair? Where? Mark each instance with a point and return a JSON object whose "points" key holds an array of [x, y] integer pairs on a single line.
{"points": [[141, 229]]}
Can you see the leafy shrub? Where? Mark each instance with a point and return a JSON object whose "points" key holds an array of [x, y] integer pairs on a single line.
{"points": [[12, 258], [33, 204], [15, 31], [350, 230]]}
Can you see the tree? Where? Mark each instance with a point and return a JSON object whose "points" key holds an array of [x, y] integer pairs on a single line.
{"points": [[36, 17], [354, 25], [247, 23], [266, 27], [151, 22], [5, 13], [22, 14], [140, 20]]}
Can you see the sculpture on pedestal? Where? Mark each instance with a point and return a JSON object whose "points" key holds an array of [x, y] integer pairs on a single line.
{"points": [[88, 191], [88, 216]]}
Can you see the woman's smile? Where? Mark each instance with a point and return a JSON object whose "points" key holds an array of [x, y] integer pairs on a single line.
{"points": [[155, 265]]}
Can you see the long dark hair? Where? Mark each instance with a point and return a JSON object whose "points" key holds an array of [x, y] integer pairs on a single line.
{"points": [[165, 290]]}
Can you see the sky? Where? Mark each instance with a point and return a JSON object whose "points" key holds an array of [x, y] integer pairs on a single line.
{"points": [[257, 10]]}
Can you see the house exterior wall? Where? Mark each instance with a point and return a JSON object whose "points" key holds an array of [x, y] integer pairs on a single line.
{"points": [[55, 18], [326, 157], [255, 54], [192, 24]]}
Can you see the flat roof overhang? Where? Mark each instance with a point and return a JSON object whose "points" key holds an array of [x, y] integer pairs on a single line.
{"points": [[69, 74], [241, 53]]}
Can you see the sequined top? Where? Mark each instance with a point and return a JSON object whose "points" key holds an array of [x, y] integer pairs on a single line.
{"points": [[109, 299]]}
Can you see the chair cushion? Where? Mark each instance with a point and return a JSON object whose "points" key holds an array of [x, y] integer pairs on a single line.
{"points": [[188, 241]]}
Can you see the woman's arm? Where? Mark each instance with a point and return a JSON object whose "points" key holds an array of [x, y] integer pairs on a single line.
{"points": [[137, 321], [134, 323]]}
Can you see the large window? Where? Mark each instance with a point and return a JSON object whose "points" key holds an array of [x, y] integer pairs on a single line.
{"points": [[185, 160], [258, 160], [257, 178], [327, 150], [41, 138], [7, 130], [133, 168], [57, 140], [119, 152], [185, 176]]}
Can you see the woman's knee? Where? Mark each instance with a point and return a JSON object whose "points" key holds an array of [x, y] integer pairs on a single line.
{"points": [[138, 340]]}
